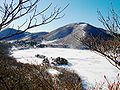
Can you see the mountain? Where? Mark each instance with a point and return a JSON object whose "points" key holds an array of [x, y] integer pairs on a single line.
{"points": [[69, 34], [22, 36], [34, 36], [66, 36], [60, 32], [11, 31]]}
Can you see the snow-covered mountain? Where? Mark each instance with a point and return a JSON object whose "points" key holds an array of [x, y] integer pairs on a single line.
{"points": [[10, 31], [34, 36], [67, 35], [23, 36], [60, 32]]}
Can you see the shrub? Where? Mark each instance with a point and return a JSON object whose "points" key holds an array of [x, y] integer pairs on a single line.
{"points": [[45, 61], [60, 61], [108, 85], [5, 48], [19, 76], [40, 56]]}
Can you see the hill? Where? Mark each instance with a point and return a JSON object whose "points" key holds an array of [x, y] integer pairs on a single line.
{"points": [[70, 34], [67, 36], [10, 31], [23, 36]]}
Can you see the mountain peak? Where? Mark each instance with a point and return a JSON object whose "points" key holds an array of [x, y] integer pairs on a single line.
{"points": [[67, 34]]}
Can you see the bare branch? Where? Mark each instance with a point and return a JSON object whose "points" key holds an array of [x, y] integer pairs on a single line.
{"points": [[11, 12]]}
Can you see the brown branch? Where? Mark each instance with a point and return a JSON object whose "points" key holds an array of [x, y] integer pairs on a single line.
{"points": [[20, 10], [106, 48]]}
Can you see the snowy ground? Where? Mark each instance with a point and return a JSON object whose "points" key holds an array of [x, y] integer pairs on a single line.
{"points": [[90, 66]]}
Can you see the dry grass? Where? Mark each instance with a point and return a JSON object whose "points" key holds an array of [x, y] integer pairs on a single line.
{"points": [[108, 85]]}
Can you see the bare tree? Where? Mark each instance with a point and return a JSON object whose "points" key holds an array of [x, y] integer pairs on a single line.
{"points": [[106, 48], [110, 47], [19, 76], [11, 11]]}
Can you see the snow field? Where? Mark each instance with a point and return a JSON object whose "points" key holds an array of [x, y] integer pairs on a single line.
{"points": [[89, 65]]}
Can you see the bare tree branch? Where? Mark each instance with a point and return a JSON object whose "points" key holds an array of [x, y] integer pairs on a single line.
{"points": [[11, 12]]}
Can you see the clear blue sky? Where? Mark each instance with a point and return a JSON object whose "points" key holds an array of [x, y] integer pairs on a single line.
{"points": [[78, 11]]}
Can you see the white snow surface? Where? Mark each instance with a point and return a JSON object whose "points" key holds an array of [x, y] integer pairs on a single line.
{"points": [[53, 72], [89, 65], [48, 42]]}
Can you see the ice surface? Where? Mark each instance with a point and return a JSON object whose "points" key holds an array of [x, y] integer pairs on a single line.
{"points": [[89, 65]]}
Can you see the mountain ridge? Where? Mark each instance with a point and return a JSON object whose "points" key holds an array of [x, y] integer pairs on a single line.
{"points": [[79, 30], [66, 35], [23, 36]]}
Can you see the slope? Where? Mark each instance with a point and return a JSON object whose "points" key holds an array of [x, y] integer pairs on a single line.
{"points": [[71, 34]]}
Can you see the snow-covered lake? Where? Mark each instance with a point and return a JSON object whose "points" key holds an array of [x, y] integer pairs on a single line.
{"points": [[89, 65]]}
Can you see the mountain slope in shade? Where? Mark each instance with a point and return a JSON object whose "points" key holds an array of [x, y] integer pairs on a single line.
{"points": [[11, 31], [34, 36], [23, 36], [77, 30]]}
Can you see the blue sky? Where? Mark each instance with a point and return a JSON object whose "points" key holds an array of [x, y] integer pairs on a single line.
{"points": [[78, 11]]}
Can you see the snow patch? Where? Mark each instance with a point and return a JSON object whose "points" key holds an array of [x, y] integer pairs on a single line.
{"points": [[48, 42], [53, 72], [83, 25]]}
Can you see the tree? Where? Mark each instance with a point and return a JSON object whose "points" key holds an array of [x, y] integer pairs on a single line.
{"points": [[12, 10], [19, 76], [110, 47]]}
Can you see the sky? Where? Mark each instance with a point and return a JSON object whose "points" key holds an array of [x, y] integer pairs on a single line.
{"points": [[77, 11]]}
